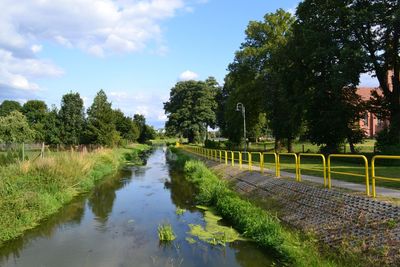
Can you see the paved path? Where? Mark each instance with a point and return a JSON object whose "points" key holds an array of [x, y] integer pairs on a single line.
{"points": [[380, 191]]}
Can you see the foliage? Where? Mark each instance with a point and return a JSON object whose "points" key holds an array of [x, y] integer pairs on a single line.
{"points": [[146, 132], [333, 66], [386, 143], [127, 128], [71, 119], [35, 112], [31, 191], [101, 128], [52, 127], [375, 25], [262, 78], [7, 106], [14, 128], [253, 222], [191, 108], [165, 232]]}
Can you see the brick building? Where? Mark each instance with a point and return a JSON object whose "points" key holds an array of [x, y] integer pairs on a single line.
{"points": [[370, 123]]}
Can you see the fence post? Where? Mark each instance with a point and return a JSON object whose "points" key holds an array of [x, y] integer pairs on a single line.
{"points": [[42, 151], [23, 151]]}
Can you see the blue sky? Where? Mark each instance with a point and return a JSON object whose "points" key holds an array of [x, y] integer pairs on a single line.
{"points": [[135, 50]]}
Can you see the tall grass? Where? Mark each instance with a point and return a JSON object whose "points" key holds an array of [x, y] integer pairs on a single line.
{"points": [[32, 190], [253, 222]]}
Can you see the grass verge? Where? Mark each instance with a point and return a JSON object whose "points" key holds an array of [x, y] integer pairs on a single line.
{"points": [[30, 191], [291, 248]]}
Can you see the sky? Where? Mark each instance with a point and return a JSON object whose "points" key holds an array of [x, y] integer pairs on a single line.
{"points": [[135, 50]]}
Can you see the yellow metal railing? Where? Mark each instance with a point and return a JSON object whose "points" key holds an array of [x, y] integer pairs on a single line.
{"points": [[264, 156], [253, 161], [295, 164], [373, 172], [259, 159], [349, 173], [323, 170]]}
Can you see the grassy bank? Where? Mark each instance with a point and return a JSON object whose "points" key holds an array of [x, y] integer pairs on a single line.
{"points": [[30, 191], [262, 226]]}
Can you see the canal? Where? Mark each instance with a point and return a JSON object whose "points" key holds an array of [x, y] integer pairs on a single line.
{"points": [[116, 225]]}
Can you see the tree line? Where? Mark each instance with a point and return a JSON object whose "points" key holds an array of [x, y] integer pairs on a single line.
{"points": [[70, 125], [297, 75]]}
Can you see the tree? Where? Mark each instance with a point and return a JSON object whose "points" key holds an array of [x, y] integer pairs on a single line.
{"points": [[35, 112], [52, 127], [127, 128], [191, 108], [7, 106], [100, 122], [259, 79], [71, 119], [375, 25], [333, 65], [14, 128]]}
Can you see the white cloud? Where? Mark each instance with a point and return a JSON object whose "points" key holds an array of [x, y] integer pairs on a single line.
{"points": [[98, 27], [17, 72], [111, 26], [36, 48], [188, 75]]}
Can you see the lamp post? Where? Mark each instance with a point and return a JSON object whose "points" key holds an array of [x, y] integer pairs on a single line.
{"points": [[240, 107]]}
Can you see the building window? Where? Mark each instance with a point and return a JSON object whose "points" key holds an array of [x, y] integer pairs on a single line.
{"points": [[365, 119]]}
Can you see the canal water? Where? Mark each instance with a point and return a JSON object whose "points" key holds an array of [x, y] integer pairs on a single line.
{"points": [[116, 225]]}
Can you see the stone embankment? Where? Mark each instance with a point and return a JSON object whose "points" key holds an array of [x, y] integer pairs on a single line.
{"points": [[338, 219]]}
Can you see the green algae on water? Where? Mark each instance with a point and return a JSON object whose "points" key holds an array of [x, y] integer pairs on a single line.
{"points": [[213, 233], [180, 211]]}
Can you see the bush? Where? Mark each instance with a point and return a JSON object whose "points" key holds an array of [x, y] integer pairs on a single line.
{"points": [[387, 143]]}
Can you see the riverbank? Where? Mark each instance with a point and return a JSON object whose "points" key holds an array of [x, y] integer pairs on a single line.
{"points": [[31, 191], [251, 221], [336, 228]]}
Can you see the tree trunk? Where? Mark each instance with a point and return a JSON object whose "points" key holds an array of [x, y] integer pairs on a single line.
{"points": [[191, 137], [352, 148], [277, 145], [289, 145]]}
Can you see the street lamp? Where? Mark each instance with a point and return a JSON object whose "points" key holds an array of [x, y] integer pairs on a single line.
{"points": [[240, 107]]}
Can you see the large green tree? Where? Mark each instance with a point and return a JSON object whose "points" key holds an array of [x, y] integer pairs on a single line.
{"points": [[259, 78], [191, 108], [71, 119], [375, 25], [52, 127], [14, 128], [35, 112], [7, 106], [100, 122], [127, 128], [333, 65]]}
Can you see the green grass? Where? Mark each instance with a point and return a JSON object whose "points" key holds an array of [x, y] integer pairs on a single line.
{"points": [[340, 165], [30, 191], [291, 247], [253, 222], [165, 232], [367, 146]]}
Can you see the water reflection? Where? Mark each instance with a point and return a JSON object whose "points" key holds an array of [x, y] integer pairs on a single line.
{"points": [[116, 225], [102, 198]]}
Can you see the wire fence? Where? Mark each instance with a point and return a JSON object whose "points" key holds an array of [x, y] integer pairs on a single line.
{"points": [[11, 153]]}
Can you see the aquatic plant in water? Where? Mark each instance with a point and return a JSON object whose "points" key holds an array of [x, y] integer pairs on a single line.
{"points": [[180, 211], [165, 232]]}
